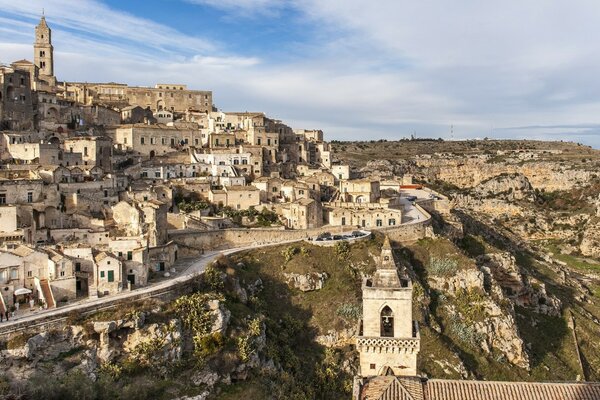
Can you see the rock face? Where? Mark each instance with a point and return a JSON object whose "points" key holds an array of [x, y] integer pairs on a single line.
{"points": [[166, 337], [504, 277], [306, 282], [469, 172], [463, 279], [499, 331], [508, 186], [220, 316], [590, 243]]}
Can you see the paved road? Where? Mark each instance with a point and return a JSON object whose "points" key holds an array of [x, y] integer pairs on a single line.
{"points": [[195, 268]]}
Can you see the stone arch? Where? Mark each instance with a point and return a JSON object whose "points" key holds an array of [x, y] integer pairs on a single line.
{"points": [[152, 153], [160, 104], [361, 199], [387, 322], [54, 140], [52, 114]]}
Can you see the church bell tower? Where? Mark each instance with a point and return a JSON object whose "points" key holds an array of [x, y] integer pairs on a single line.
{"points": [[388, 340], [44, 52]]}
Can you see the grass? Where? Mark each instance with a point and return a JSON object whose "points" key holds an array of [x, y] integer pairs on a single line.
{"points": [[342, 287], [572, 261]]}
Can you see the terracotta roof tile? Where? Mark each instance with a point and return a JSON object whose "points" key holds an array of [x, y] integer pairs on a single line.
{"points": [[439, 389]]}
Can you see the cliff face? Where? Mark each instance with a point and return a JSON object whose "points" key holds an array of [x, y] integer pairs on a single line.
{"points": [[470, 172]]}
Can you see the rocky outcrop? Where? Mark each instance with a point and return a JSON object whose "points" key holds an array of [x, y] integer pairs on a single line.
{"points": [[504, 278], [590, 243], [306, 282], [464, 279], [507, 186], [220, 316], [470, 172], [499, 331]]}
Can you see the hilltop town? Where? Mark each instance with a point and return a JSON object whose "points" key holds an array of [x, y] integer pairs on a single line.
{"points": [[147, 236]]}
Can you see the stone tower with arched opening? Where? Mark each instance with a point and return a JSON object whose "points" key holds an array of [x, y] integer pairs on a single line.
{"points": [[44, 52], [388, 341]]}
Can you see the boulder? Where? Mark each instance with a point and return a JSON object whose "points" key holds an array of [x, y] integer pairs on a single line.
{"points": [[306, 282]]}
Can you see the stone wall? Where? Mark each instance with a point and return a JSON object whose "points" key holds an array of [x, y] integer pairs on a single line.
{"points": [[190, 241]]}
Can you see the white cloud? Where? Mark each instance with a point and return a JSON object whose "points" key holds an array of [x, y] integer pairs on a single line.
{"points": [[384, 69]]}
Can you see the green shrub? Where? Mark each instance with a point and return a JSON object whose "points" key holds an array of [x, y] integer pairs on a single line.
{"points": [[442, 266], [289, 252], [342, 250], [349, 311]]}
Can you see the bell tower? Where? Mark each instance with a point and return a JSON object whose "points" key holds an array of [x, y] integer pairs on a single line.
{"points": [[388, 339], [44, 51]]}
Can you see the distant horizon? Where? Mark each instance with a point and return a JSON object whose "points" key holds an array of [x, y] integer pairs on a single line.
{"points": [[470, 70]]}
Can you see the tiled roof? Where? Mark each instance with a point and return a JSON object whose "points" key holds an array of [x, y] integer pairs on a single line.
{"points": [[440, 389], [392, 388]]}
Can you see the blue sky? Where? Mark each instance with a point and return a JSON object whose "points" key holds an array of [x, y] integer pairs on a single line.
{"points": [[357, 70]]}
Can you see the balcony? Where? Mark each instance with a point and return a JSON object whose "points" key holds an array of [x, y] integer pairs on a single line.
{"points": [[389, 344]]}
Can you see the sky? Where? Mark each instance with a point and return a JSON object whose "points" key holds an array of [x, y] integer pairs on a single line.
{"points": [[385, 69]]}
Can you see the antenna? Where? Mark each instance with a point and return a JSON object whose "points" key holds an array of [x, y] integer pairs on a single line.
{"points": [[451, 131], [43, 12]]}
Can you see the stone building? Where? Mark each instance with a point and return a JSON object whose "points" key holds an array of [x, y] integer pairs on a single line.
{"points": [[360, 191], [154, 140], [236, 197], [16, 99], [95, 150], [175, 98], [304, 214], [388, 339], [365, 215]]}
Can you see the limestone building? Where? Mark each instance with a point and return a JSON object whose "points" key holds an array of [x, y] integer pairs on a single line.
{"points": [[388, 341]]}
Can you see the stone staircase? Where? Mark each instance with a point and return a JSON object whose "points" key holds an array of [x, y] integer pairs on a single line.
{"points": [[46, 292]]}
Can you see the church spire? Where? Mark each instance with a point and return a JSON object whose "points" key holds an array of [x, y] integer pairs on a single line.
{"points": [[387, 274]]}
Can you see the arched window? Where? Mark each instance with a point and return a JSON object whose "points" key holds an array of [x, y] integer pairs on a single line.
{"points": [[387, 322]]}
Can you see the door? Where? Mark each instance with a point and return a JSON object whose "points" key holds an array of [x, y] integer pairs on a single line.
{"points": [[111, 276], [131, 279]]}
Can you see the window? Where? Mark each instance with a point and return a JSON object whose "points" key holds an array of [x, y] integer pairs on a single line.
{"points": [[379, 222], [387, 322], [101, 274], [130, 255], [30, 197], [142, 140], [392, 222], [29, 274], [2, 198], [77, 267], [372, 366], [343, 220], [157, 174], [14, 273], [62, 273]]}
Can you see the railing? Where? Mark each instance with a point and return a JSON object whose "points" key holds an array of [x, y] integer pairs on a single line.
{"points": [[388, 342]]}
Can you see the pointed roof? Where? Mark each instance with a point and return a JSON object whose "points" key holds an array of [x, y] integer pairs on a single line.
{"points": [[392, 388], [43, 23], [386, 274]]}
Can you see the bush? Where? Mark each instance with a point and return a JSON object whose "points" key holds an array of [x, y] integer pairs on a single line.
{"points": [[342, 250], [206, 346], [442, 266], [213, 278], [349, 311], [289, 252]]}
